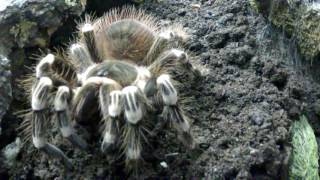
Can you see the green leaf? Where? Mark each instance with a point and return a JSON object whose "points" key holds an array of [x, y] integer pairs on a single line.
{"points": [[304, 156]]}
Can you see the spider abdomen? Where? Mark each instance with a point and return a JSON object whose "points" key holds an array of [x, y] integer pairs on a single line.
{"points": [[126, 39]]}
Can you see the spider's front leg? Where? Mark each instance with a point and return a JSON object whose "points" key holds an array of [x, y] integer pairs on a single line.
{"points": [[62, 111], [40, 121], [172, 112], [110, 99], [50, 72], [135, 106]]}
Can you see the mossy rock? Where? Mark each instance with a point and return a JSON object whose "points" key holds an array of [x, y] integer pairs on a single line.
{"points": [[304, 157], [297, 19]]}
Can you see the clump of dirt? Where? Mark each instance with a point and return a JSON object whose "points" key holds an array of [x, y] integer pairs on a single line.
{"points": [[242, 108]]}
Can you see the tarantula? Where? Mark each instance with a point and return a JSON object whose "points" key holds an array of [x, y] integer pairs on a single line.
{"points": [[121, 66]]}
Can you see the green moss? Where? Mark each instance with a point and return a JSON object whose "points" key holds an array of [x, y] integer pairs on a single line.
{"points": [[309, 33], [19, 56], [304, 157], [22, 31], [254, 5], [281, 16]]}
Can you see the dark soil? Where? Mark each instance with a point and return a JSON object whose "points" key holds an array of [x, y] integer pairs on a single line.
{"points": [[253, 87]]}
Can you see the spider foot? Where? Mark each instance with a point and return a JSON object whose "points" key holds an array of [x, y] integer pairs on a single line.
{"points": [[55, 152], [175, 116], [174, 34], [110, 137], [133, 145]]}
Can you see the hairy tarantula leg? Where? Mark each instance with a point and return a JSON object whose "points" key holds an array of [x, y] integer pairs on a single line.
{"points": [[80, 55], [43, 66], [165, 63], [110, 99], [172, 112], [174, 35], [61, 107], [84, 99], [134, 112], [159, 44], [59, 70], [164, 41], [110, 134], [169, 60], [89, 38], [39, 120]]}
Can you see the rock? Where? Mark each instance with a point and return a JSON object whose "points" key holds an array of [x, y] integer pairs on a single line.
{"points": [[294, 112], [5, 86], [316, 107], [244, 174], [238, 55], [296, 92], [225, 142], [224, 19], [164, 164], [11, 151], [257, 116], [196, 47], [279, 79], [28, 23], [182, 12], [217, 39], [299, 18]]}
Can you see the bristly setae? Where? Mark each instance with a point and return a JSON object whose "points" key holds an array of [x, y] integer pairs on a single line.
{"points": [[121, 65]]}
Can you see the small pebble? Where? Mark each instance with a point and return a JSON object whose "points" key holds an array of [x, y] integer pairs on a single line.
{"points": [[195, 6], [164, 164]]}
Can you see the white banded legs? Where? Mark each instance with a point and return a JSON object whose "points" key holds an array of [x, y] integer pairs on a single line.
{"points": [[167, 90], [61, 106], [39, 105], [135, 108], [113, 102], [40, 99], [110, 99], [172, 112]]}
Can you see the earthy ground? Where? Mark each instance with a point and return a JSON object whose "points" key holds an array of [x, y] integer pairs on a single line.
{"points": [[254, 85]]}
